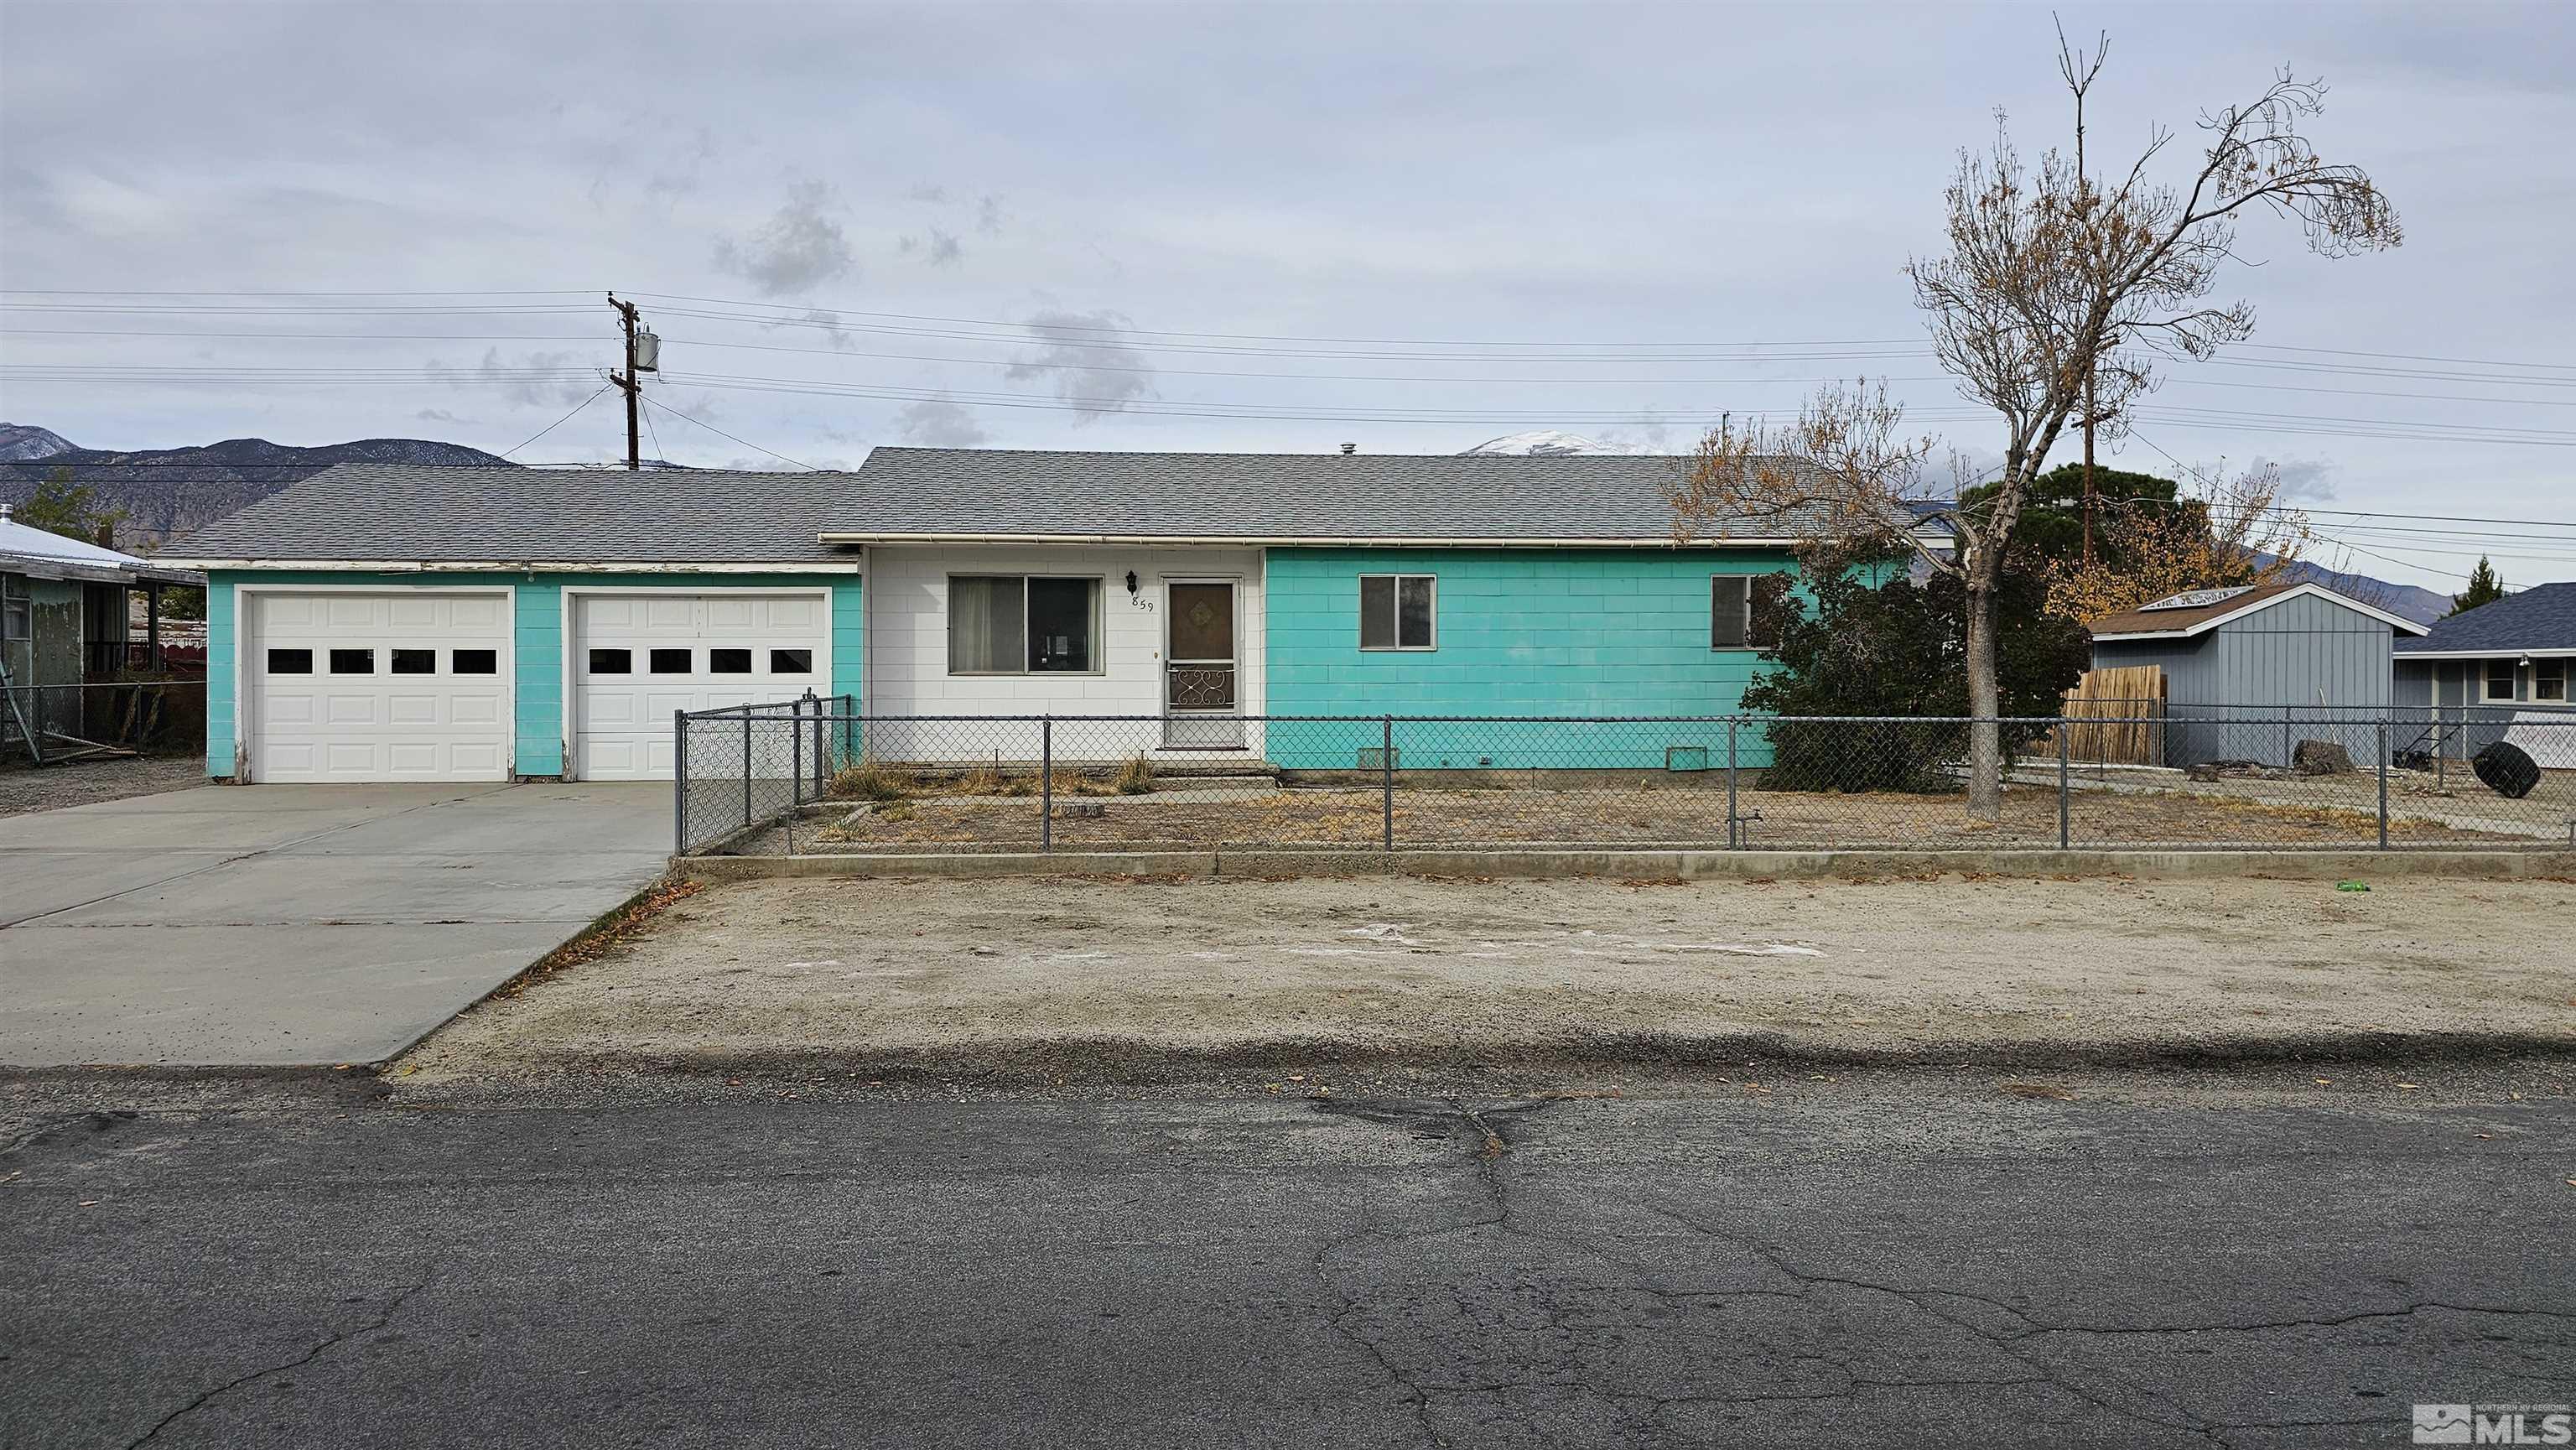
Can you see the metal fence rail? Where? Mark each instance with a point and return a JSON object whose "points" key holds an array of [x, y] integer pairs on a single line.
{"points": [[816, 776], [53, 723]]}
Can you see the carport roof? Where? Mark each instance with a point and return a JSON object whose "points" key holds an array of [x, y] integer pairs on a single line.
{"points": [[506, 516]]}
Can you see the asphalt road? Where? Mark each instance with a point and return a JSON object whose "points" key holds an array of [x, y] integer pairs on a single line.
{"points": [[1825, 1264]]}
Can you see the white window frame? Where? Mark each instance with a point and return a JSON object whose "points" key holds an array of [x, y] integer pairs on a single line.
{"points": [[1395, 601], [2557, 662], [1754, 643], [2486, 681], [1099, 625]]}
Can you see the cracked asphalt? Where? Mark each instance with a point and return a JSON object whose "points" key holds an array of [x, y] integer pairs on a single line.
{"points": [[1907, 1258]]}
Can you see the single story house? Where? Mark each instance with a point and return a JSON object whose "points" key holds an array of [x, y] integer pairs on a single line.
{"points": [[64, 623], [2296, 652], [2472, 673], [388, 622]]}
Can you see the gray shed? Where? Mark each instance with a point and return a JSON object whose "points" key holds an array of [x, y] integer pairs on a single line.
{"points": [[2253, 670]]}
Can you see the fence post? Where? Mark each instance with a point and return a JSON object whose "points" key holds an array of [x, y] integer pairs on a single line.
{"points": [[1733, 822], [2286, 751], [1046, 783], [1386, 774], [2441, 750], [2383, 782], [746, 765], [2065, 740], [679, 782], [796, 729]]}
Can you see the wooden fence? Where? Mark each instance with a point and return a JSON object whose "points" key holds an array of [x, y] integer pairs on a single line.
{"points": [[2129, 704]]}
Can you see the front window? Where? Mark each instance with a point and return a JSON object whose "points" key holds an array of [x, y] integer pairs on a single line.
{"points": [[1398, 611], [2549, 680], [1014, 624], [2499, 680], [1742, 609], [14, 608]]}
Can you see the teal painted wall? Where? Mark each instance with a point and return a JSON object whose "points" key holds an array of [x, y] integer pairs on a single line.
{"points": [[1519, 632], [536, 635]]}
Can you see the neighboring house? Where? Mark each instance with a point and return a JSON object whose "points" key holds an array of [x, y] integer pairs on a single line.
{"points": [[63, 622], [2473, 672], [383, 623], [2298, 652]]}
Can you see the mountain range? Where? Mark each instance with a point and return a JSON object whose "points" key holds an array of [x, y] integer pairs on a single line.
{"points": [[167, 491]]}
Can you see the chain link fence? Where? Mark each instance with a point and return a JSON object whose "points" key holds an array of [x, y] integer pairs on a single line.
{"points": [[816, 777], [51, 724]]}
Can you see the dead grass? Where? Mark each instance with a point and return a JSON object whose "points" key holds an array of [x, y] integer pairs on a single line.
{"points": [[1353, 819]]}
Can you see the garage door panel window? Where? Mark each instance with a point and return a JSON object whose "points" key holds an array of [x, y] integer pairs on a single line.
{"points": [[353, 662], [612, 662], [791, 662], [290, 662], [728, 662], [668, 661], [474, 662], [415, 662]]}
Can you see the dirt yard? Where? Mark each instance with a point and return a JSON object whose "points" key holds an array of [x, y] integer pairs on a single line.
{"points": [[1067, 975], [44, 788], [2343, 813]]}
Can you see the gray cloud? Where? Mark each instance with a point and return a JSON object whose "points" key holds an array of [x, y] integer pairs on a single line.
{"points": [[2303, 480], [439, 415], [799, 247], [531, 380], [1087, 364], [988, 214], [939, 247], [937, 423], [823, 320]]}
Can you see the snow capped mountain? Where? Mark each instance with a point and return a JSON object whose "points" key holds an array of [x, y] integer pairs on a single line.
{"points": [[22, 441], [1547, 443]]}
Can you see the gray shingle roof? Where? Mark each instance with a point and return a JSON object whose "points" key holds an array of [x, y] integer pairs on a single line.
{"points": [[400, 512], [361, 511], [2541, 617]]}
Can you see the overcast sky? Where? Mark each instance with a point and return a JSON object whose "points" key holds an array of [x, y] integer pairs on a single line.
{"points": [[1234, 227]]}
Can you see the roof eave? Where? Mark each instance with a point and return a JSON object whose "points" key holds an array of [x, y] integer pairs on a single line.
{"points": [[264, 564], [1316, 541]]}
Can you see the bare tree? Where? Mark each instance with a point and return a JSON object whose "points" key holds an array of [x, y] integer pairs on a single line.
{"points": [[2056, 288], [2237, 533]]}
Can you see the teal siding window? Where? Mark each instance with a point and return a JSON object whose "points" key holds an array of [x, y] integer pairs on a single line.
{"points": [[1518, 632]]}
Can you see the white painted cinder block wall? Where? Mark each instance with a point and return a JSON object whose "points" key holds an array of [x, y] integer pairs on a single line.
{"points": [[907, 654]]}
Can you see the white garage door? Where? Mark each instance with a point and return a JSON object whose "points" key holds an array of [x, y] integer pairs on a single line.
{"points": [[639, 657], [406, 686]]}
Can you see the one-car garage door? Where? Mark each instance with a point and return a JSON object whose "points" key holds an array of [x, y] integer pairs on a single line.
{"points": [[411, 685], [638, 657]]}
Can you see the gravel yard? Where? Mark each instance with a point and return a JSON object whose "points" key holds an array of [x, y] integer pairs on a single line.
{"points": [[1619, 814], [87, 782], [1063, 975]]}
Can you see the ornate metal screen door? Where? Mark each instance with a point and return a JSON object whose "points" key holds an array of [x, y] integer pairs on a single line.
{"points": [[1199, 669]]}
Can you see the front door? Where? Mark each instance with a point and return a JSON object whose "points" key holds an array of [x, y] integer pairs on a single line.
{"points": [[1199, 666]]}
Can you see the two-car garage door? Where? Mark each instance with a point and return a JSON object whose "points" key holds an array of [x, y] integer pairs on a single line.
{"points": [[416, 684], [639, 657]]}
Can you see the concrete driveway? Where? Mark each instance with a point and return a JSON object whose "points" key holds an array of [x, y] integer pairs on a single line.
{"points": [[296, 925]]}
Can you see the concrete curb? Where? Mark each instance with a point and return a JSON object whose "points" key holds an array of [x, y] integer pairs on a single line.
{"points": [[1653, 865], [1138, 1061]]}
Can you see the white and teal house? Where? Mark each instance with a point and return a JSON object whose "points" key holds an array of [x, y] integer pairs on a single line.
{"points": [[387, 622]]}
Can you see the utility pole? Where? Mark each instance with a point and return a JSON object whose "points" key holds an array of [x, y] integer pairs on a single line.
{"points": [[634, 389]]}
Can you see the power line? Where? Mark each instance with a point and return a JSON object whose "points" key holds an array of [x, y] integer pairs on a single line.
{"points": [[559, 422], [719, 432]]}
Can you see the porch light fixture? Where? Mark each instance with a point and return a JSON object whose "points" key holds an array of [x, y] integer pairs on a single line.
{"points": [[1131, 581]]}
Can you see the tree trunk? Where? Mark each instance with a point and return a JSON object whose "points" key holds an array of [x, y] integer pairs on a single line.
{"points": [[1985, 737]]}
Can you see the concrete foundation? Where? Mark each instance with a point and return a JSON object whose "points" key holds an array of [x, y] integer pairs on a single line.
{"points": [[1656, 865]]}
